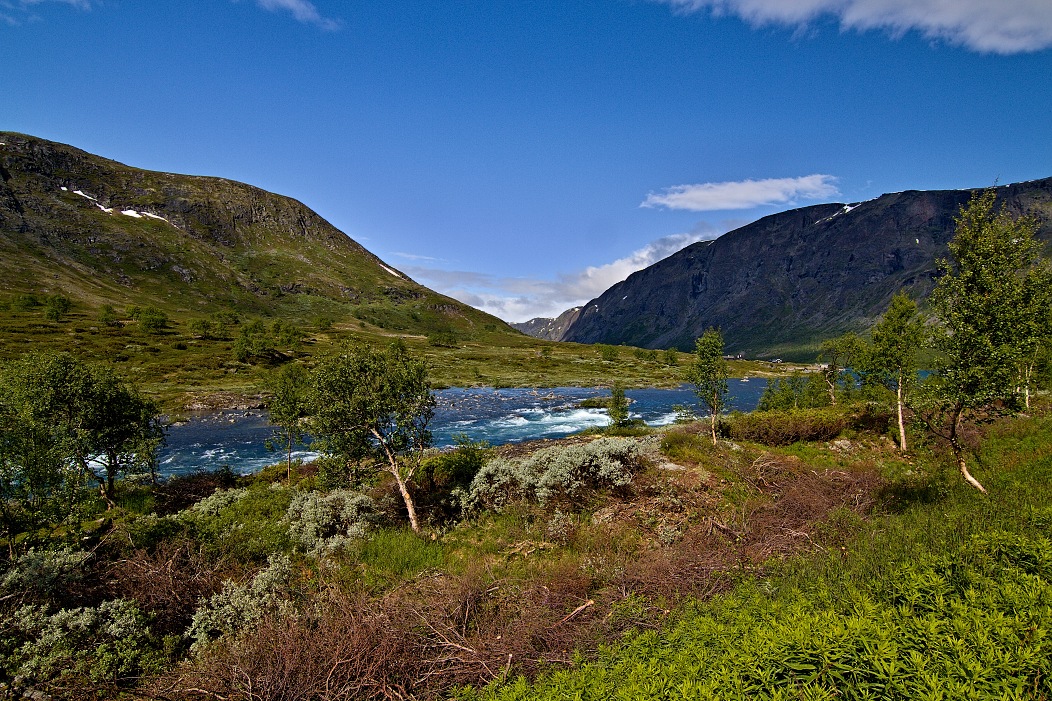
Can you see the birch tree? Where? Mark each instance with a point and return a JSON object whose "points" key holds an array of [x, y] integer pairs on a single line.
{"points": [[892, 356], [373, 408], [981, 306], [708, 373]]}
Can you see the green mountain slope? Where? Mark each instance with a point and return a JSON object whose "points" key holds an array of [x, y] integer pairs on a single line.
{"points": [[101, 232]]}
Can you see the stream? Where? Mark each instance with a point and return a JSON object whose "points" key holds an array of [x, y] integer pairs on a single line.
{"points": [[236, 439]]}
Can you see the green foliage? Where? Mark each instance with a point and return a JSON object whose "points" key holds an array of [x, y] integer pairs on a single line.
{"points": [[891, 358], [786, 426], [647, 355], [151, 319], [393, 555], [62, 422], [247, 521], [443, 478], [607, 352], [980, 305], [43, 575], [797, 391], [618, 407], [671, 357], [288, 408], [257, 342], [708, 373], [947, 629], [984, 310], [56, 307], [443, 339], [324, 522], [240, 605], [897, 339], [108, 316], [105, 645], [836, 355], [374, 408], [560, 475], [201, 328], [25, 302]]}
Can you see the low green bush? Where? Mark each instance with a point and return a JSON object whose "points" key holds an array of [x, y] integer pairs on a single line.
{"points": [[81, 648], [968, 626], [240, 605], [784, 427], [323, 522], [563, 475]]}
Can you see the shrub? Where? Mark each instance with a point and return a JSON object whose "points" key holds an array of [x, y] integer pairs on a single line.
{"points": [[107, 644], [43, 575], [560, 474], [645, 355], [443, 339], [794, 392], [56, 307], [239, 606], [23, 303], [246, 521], [108, 316], [219, 500], [442, 478], [785, 427], [151, 319], [325, 522]]}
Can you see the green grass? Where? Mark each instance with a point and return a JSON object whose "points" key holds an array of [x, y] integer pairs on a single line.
{"points": [[393, 555], [176, 367]]}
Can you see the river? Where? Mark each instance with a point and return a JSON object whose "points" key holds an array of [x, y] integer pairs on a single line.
{"points": [[497, 416]]}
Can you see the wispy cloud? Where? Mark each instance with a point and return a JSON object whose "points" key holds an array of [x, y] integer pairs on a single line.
{"points": [[302, 11], [414, 256], [16, 12], [987, 26], [743, 194], [520, 299]]}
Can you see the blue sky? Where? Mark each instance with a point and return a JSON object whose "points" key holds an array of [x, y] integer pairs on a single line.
{"points": [[524, 155]]}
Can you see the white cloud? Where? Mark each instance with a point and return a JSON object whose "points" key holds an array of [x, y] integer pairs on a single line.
{"points": [[415, 256], [521, 299], [15, 12], [988, 26], [744, 194], [302, 10]]}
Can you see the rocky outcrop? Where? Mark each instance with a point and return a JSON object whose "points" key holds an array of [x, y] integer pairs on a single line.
{"points": [[549, 329], [781, 284]]}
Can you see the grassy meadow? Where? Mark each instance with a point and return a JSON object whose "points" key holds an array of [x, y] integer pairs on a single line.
{"points": [[182, 369]]}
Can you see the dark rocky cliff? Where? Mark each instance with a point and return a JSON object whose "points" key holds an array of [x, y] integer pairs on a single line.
{"points": [[781, 284]]}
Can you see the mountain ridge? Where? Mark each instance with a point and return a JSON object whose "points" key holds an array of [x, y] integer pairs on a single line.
{"points": [[102, 232], [781, 284]]}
